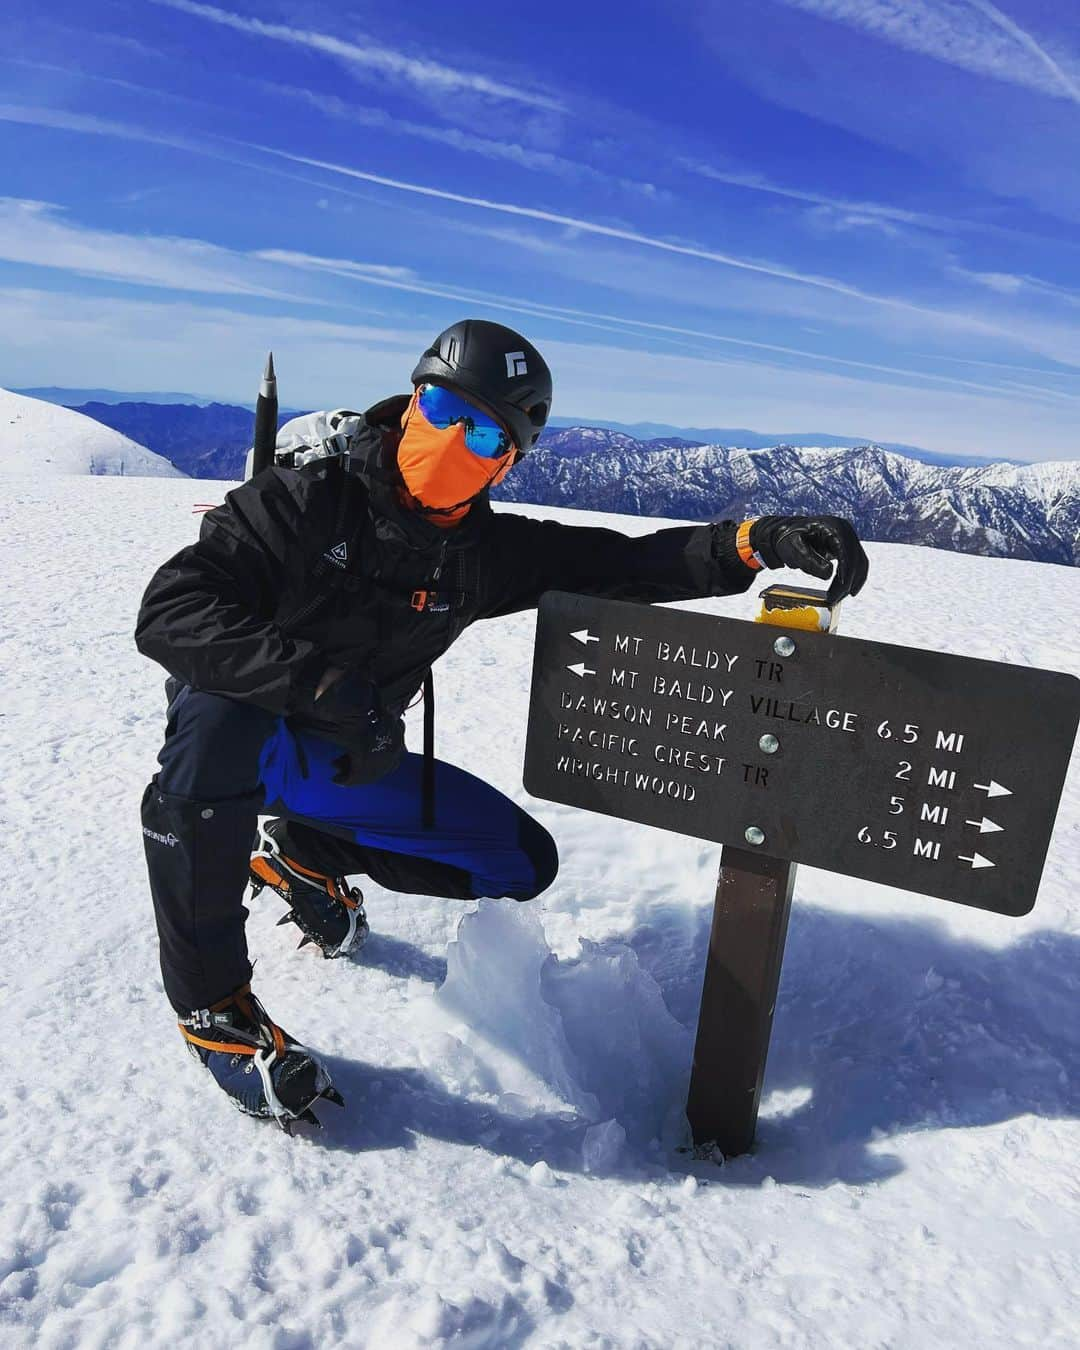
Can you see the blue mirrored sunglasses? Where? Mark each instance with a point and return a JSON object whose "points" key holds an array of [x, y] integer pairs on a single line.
{"points": [[443, 408]]}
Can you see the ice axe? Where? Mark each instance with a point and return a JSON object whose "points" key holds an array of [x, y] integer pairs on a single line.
{"points": [[264, 441]]}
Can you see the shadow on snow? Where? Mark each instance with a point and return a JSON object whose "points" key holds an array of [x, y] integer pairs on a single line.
{"points": [[883, 1027]]}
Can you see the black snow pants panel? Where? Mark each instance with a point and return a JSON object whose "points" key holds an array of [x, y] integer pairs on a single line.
{"points": [[197, 857], [199, 816]]}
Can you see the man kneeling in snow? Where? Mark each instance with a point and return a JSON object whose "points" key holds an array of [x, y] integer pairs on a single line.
{"points": [[298, 629]]}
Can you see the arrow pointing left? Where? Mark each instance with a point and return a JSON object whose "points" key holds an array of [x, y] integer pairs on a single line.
{"points": [[581, 670], [584, 636]]}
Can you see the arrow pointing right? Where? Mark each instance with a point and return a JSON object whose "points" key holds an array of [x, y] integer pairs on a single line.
{"points": [[580, 670], [976, 861], [986, 825], [993, 789]]}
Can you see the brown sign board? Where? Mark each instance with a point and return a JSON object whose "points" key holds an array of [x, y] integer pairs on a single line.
{"points": [[936, 773]]}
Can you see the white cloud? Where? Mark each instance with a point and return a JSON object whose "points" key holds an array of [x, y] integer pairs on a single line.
{"points": [[142, 343], [755, 182], [747, 350], [58, 119], [196, 265], [1067, 80], [841, 212], [123, 343], [1055, 343], [36, 234], [592, 381], [431, 76], [508, 152], [1009, 365], [1019, 284], [330, 105], [950, 31], [87, 124], [607, 231], [1004, 283], [69, 72], [832, 220], [343, 267]]}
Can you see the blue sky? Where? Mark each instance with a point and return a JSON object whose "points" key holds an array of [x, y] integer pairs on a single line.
{"points": [[856, 216]]}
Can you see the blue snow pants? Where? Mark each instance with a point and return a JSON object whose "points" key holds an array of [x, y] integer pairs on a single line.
{"points": [[225, 762]]}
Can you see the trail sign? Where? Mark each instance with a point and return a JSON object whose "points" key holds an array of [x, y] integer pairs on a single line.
{"points": [[936, 773]]}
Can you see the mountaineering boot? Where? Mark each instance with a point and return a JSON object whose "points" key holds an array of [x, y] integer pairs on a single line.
{"points": [[326, 909], [265, 1072]]}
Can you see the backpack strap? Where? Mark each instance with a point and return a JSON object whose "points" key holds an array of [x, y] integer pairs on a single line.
{"points": [[330, 558], [427, 780]]}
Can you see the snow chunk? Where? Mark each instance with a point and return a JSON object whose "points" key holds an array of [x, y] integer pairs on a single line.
{"points": [[493, 986], [592, 1031], [603, 1147], [634, 1054], [540, 1174]]}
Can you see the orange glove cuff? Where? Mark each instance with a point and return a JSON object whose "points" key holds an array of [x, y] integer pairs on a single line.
{"points": [[742, 544]]}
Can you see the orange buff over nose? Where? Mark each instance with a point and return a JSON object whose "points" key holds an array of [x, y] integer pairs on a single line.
{"points": [[440, 472]]}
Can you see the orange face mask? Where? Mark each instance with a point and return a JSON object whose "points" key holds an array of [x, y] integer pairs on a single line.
{"points": [[440, 472]]}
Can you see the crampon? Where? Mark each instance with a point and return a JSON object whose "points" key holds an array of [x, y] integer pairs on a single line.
{"points": [[328, 911], [265, 1072]]}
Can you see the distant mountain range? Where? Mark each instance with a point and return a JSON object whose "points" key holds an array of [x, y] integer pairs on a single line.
{"points": [[641, 431], [992, 507], [761, 440], [71, 398], [204, 441], [999, 510]]}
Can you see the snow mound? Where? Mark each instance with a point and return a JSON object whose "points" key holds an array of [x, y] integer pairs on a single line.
{"points": [[591, 1031], [43, 437]]}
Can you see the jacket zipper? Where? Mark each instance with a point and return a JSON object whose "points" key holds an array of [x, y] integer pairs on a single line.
{"points": [[440, 564]]}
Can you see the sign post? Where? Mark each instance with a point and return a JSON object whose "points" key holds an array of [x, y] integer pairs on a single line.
{"points": [[745, 956], [738, 997], [936, 773]]}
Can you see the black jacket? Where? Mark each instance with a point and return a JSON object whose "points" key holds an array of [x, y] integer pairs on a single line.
{"points": [[303, 569]]}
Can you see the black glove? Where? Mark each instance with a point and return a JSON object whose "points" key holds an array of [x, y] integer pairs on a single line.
{"points": [[812, 544], [350, 712]]}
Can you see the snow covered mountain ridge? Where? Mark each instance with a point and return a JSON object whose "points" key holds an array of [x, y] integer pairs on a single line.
{"points": [[41, 437], [1029, 511], [1012, 510]]}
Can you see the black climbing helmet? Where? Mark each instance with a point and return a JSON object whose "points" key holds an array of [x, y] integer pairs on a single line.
{"points": [[498, 368]]}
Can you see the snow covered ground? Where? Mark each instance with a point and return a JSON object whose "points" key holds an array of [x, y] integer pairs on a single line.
{"points": [[46, 438], [504, 1174]]}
